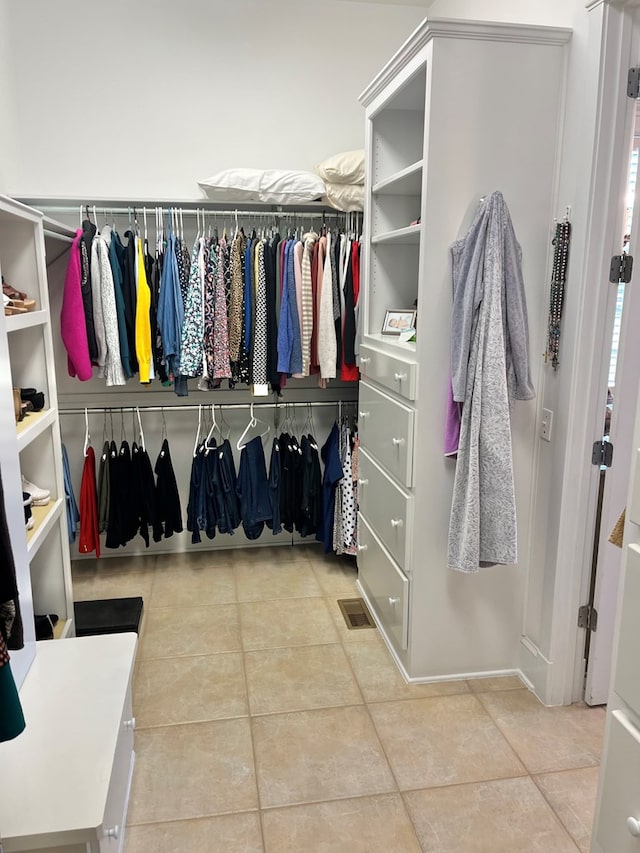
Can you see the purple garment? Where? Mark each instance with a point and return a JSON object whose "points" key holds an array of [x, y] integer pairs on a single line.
{"points": [[452, 425]]}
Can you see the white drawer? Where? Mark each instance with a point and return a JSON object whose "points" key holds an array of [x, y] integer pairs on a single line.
{"points": [[620, 788], [627, 683], [394, 373], [387, 508], [386, 587], [385, 427], [111, 834]]}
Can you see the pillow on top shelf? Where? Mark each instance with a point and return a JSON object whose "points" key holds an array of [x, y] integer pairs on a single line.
{"points": [[275, 186], [345, 197], [344, 168]]}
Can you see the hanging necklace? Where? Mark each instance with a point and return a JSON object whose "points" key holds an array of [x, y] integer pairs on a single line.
{"points": [[561, 242]]}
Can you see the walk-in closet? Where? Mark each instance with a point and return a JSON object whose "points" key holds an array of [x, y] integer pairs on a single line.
{"points": [[304, 345]]}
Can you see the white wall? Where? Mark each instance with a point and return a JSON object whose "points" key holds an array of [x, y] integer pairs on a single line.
{"points": [[140, 100], [553, 13], [7, 122]]}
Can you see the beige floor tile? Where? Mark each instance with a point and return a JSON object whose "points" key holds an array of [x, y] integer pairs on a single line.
{"points": [[195, 559], [113, 583], [189, 690], [547, 739], [442, 741], [110, 561], [289, 622], [286, 580], [505, 816], [499, 682], [365, 825], [176, 631], [296, 679], [191, 586], [348, 635], [318, 755], [233, 833], [572, 795], [272, 555], [380, 679], [194, 770], [336, 577]]}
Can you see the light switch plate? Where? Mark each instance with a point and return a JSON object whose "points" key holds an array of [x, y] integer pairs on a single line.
{"points": [[546, 424]]}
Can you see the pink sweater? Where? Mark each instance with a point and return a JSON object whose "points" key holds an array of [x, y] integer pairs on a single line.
{"points": [[72, 322]]}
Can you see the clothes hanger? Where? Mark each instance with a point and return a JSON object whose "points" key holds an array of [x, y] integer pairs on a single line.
{"points": [[214, 427], [163, 434], [226, 425], [87, 434], [197, 441], [253, 423], [140, 430]]}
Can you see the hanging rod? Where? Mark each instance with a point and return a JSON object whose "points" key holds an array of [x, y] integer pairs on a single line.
{"points": [[189, 206], [194, 407]]}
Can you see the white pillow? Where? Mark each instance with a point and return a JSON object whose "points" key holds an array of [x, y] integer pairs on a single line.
{"points": [[347, 197], [277, 186], [345, 168]]}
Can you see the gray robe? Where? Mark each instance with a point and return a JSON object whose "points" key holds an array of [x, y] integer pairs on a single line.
{"points": [[490, 366]]}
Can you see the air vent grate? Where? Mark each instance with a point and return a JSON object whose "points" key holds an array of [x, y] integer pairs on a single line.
{"points": [[355, 613]]}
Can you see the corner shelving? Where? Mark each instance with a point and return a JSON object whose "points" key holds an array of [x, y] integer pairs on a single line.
{"points": [[407, 181], [402, 236], [33, 446]]}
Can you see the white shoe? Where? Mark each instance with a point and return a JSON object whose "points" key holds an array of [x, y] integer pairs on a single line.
{"points": [[41, 497], [31, 522]]}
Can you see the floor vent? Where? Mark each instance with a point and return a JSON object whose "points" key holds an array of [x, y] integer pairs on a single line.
{"points": [[355, 613]]}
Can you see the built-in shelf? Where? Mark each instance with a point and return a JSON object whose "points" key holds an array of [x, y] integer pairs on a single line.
{"points": [[390, 342], [33, 425], [44, 517], [403, 236], [25, 321], [405, 182]]}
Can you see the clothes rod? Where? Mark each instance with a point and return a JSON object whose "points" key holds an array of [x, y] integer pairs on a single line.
{"points": [[123, 206], [196, 406]]}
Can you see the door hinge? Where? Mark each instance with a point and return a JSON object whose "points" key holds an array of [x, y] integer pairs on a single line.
{"points": [[588, 617], [621, 269], [633, 83], [602, 454]]}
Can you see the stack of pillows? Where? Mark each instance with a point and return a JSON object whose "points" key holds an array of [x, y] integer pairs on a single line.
{"points": [[339, 181], [343, 176]]}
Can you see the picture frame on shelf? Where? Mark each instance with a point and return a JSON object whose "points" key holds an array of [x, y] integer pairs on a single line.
{"points": [[398, 320]]}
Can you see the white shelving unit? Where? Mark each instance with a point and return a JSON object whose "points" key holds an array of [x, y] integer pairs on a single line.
{"points": [[431, 162], [32, 447]]}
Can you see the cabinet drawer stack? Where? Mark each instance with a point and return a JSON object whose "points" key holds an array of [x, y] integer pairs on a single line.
{"points": [[386, 419]]}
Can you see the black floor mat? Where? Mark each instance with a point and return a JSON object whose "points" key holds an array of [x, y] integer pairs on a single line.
{"points": [[108, 616]]}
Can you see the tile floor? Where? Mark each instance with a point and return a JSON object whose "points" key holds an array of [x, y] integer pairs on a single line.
{"points": [[263, 724]]}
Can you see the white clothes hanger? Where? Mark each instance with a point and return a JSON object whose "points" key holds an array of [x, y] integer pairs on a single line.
{"points": [[87, 434], [253, 423], [197, 441], [214, 427], [140, 430]]}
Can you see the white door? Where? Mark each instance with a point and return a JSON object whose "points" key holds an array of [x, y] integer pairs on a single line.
{"points": [[622, 384]]}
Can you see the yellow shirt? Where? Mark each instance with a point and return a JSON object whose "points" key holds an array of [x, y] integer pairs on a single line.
{"points": [[143, 321]]}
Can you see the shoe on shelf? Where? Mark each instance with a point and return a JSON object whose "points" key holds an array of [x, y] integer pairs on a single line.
{"points": [[40, 497], [17, 297], [10, 307], [36, 398], [45, 625], [27, 503]]}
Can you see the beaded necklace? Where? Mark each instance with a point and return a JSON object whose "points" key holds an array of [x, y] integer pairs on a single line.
{"points": [[561, 242]]}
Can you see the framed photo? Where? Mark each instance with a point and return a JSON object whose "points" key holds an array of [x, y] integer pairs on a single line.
{"points": [[398, 320]]}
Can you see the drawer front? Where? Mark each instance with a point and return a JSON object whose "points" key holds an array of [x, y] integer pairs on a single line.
{"points": [[386, 586], [387, 508], [627, 683], [394, 373], [112, 835], [385, 427], [620, 789]]}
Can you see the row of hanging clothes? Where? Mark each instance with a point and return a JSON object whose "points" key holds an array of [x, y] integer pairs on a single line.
{"points": [[259, 307], [307, 489]]}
